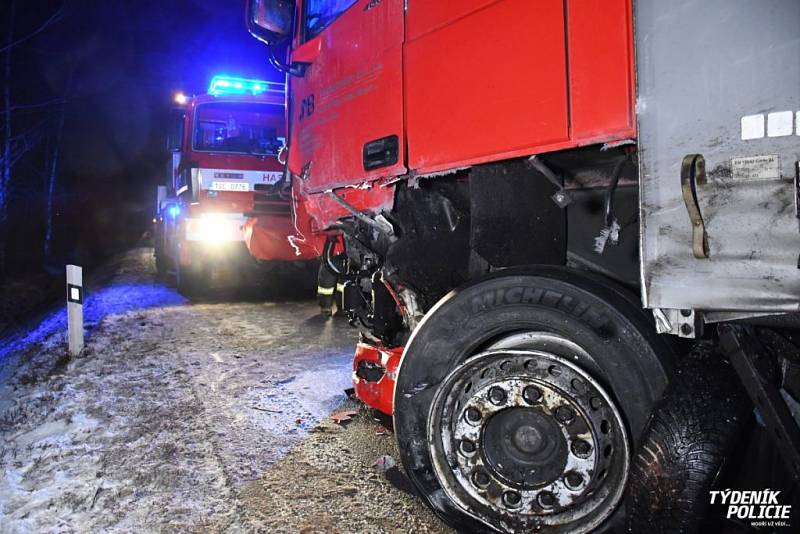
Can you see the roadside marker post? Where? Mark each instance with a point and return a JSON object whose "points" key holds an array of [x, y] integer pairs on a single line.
{"points": [[75, 309]]}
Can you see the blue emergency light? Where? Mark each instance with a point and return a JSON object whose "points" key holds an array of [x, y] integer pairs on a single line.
{"points": [[231, 85], [174, 210]]}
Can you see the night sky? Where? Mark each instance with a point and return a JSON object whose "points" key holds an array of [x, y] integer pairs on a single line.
{"points": [[118, 63]]}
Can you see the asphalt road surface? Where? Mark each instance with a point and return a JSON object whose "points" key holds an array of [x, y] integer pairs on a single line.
{"points": [[183, 417]]}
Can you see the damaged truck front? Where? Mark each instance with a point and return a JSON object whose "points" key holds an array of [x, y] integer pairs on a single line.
{"points": [[530, 197]]}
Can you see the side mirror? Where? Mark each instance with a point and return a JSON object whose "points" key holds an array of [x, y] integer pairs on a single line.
{"points": [[175, 137], [270, 21]]}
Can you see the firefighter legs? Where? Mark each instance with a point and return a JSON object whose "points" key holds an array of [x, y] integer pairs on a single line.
{"points": [[326, 290]]}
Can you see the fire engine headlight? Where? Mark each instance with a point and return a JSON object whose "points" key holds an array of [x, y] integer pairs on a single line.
{"points": [[211, 228]]}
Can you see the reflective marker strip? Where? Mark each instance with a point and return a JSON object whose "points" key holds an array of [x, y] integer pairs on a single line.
{"points": [[325, 290]]}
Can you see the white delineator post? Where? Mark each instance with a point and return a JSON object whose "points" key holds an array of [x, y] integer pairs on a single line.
{"points": [[75, 309]]}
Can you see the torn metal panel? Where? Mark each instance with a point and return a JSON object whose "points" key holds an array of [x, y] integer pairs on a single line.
{"points": [[718, 78]]}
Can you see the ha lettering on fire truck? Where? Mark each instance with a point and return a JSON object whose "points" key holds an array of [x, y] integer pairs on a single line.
{"points": [[570, 239], [223, 217]]}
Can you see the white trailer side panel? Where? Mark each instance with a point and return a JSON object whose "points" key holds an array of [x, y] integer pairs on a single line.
{"points": [[720, 78]]}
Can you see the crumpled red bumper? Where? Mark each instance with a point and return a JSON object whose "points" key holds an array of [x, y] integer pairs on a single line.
{"points": [[374, 374], [267, 239]]}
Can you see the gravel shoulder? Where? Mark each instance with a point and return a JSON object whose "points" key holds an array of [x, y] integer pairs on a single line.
{"points": [[341, 479], [190, 417]]}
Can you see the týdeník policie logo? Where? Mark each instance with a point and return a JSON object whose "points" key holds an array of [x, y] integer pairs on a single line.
{"points": [[762, 508]]}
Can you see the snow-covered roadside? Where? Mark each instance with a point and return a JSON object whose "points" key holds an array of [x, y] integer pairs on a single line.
{"points": [[168, 412], [124, 284]]}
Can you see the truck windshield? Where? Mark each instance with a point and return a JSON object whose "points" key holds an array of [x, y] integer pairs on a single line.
{"points": [[320, 13], [239, 127]]}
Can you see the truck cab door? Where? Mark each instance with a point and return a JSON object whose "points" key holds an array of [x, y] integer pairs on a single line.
{"points": [[347, 108], [174, 142]]}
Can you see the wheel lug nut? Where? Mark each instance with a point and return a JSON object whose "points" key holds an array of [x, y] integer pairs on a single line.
{"points": [[564, 414], [467, 446], [531, 394], [546, 499], [595, 403], [573, 480], [581, 448], [497, 395], [511, 499], [473, 415], [480, 479]]}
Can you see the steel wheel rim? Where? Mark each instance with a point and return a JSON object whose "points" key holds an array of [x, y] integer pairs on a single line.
{"points": [[478, 470]]}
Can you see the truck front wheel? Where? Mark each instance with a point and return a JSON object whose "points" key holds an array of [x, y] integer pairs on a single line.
{"points": [[162, 267], [521, 396], [189, 280]]}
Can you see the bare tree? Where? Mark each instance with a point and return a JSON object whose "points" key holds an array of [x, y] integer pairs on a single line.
{"points": [[52, 176], [16, 144], [7, 164]]}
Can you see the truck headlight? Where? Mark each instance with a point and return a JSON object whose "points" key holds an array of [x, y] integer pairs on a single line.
{"points": [[214, 228]]}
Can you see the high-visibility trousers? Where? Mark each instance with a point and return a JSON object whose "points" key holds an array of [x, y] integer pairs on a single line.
{"points": [[326, 288]]}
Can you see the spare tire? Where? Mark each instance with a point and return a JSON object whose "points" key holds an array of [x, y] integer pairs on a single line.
{"points": [[686, 445], [520, 397]]}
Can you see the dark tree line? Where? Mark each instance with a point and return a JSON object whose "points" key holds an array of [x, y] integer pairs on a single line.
{"points": [[32, 126]]}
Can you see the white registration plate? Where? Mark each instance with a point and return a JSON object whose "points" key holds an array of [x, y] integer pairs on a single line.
{"points": [[230, 186]]}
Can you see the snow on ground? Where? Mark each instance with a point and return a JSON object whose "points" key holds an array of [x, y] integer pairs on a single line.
{"points": [[174, 414], [131, 289]]}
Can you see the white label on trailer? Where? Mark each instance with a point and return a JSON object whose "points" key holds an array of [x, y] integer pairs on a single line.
{"points": [[780, 124], [271, 177], [756, 168], [230, 186], [752, 127]]}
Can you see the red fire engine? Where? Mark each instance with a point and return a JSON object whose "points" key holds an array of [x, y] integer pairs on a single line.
{"points": [[228, 216], [530, 196]]}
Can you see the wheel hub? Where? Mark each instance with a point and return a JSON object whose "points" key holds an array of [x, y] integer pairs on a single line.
{"points": [[527, 439], [524, 446]]}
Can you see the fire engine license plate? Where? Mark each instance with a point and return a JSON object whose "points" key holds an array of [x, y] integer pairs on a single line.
{"points": [[229, 186]]}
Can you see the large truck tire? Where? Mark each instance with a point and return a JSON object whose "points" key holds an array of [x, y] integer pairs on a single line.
{"points": [[520, 399], [189, 281], [162, 265], [688, 441]]}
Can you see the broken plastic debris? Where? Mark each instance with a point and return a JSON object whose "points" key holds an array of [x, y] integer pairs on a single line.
{"points": [[384, 463]]}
